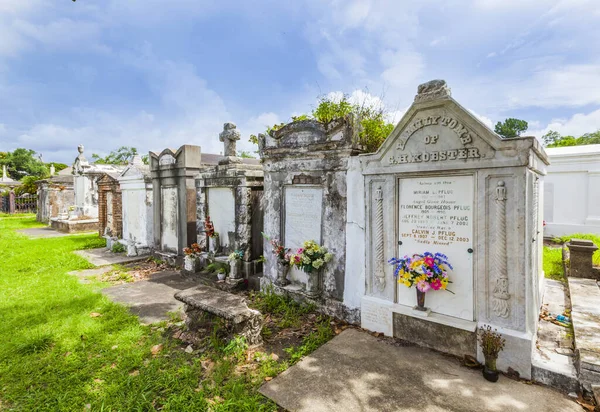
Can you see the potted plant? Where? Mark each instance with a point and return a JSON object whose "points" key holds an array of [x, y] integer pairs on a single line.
{"points": [[191, 260], [213, 237], [283, 260], [221, 274], [235, 264], [427, 272], [492, 343], [311, 258]]}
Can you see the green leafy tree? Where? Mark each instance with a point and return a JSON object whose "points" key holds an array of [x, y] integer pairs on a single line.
{"points": [[511, 128], [121, 156], [27, 185], [554, 139], [23, 162]]}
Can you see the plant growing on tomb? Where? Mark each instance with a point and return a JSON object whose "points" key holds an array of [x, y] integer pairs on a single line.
{"points": [[117, 247], [492, 343]]}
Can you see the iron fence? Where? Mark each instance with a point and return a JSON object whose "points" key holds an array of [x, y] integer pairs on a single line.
{"points": [[11, 203]]}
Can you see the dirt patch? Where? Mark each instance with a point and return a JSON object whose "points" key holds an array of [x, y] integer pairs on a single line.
{"points": [[134, 272]]}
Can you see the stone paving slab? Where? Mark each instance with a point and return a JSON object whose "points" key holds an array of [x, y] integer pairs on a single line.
{"points": [[84, 275], [553, 358], [358, 372], [103, 257], [47, 232], [152, 299]]}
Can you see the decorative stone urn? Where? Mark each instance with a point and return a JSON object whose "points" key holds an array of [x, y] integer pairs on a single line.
{"points": [[282, 272]]}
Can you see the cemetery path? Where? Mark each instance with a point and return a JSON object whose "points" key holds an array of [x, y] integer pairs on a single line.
{"points": [[102, 256], [152, 299], [46, 232], [358, 372]]}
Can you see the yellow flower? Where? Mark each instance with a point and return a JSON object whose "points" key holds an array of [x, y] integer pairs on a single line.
{"points": [[406, 283]]}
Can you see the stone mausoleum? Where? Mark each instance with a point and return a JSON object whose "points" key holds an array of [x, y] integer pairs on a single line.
{"points": [[110, 221], [54, 195], [137, 207], [444, 182], [174, 199], [306, 166], [230, 193], [83, 214]]}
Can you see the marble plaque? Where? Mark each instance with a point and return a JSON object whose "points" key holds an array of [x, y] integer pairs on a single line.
{"points": [[169, 221], [303, 215], [436, 215], [376, 315], [221, 209]]}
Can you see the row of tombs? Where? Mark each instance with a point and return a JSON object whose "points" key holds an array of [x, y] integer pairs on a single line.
{"points": [[442, 182]]}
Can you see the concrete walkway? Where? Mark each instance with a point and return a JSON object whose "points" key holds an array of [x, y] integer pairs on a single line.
{"points": [[357, 372], [102, 257], [46, 232], [152, 299]]}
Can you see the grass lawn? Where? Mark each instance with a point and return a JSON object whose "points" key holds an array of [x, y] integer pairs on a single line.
{"points": [[67, 347], [553, 267]]}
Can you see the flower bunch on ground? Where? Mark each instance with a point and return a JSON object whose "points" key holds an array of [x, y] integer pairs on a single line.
{"points": [[427, 271], [310, 256], [281, 252], [193, 250]]}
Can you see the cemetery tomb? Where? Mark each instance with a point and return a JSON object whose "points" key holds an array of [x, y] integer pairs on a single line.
{"points": [[55, 195], [306, 166], [83, 214], [174, 199], [442, 182], [137, 198], [109, 206], [229, 194]]}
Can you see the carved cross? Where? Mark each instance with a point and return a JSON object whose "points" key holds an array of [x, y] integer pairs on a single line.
{"points": [[229, 136]]}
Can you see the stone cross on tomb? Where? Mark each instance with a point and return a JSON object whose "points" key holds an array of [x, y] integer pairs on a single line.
{"points": [[229, 136]]}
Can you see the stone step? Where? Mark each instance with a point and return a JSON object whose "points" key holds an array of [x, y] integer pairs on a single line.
{"points": [[585, 314]]}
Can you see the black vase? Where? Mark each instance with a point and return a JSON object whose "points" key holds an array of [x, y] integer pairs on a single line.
{"points": [[490, 375]]}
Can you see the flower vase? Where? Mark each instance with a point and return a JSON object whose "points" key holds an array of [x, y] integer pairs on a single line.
{"points": [[421, 301], [490, 373], [213, 244], [313, 283], [190, 263], [282, 272], [235, 269]]}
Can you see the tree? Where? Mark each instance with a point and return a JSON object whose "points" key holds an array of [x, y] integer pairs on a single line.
{"points": [[121, 156], [511, 128], [554, 139], [23, 162]]}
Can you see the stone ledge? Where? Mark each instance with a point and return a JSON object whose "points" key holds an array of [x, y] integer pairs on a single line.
{"points": [[585, 315]]}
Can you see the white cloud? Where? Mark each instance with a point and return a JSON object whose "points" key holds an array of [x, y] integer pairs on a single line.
{"points": [[576, 125], [438, 41]]}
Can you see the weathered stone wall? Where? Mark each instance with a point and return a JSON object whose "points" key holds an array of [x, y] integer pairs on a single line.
{"points": [[308, 154], [137, 205], [55, 195]]}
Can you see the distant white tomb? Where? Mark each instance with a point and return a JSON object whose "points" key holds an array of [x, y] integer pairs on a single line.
{"points": [[572, 190]]}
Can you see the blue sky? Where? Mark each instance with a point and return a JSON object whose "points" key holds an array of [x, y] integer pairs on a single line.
{"points": [[156, 73]]}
